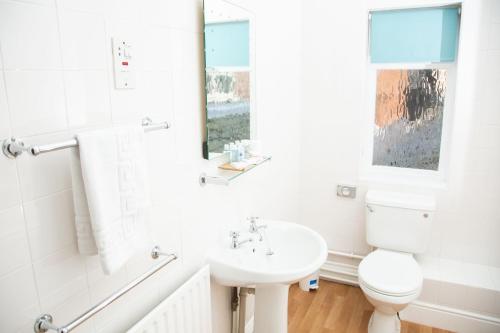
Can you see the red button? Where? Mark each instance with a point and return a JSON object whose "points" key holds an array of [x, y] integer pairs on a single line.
{"points": [[125, 63]]}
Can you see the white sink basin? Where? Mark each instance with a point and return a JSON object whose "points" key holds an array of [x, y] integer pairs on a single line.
{"points": [[297, 252]]}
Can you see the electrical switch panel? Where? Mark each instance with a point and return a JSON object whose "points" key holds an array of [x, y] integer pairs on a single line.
{"points": [[123, 64]]}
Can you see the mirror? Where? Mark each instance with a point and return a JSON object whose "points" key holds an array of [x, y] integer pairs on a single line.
{"points": [[229, 76]]}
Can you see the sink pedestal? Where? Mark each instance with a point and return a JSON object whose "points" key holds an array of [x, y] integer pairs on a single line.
{"points": [[271, 308]]}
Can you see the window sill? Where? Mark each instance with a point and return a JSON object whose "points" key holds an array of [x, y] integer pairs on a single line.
{"points": [[423, 182]]}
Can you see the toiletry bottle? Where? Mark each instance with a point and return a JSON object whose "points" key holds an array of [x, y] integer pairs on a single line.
{"points": [[237, 145], [227, 151], [246, 147], [233, 153], [241, 152]]}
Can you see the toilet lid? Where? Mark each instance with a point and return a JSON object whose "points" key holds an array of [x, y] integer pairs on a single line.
{"points": [[390, 273]]}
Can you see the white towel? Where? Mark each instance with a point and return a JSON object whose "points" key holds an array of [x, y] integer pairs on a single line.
{"points": [[84, 235], [111, 195]]}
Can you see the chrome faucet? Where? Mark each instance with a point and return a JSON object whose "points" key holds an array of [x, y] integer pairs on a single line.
{"points": [[235, 242], [254, 228]]}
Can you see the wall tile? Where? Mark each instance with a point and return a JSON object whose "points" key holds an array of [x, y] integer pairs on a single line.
{"points": [[36, 101], [101, 285], [494, 43], [93, 6], [126, 104], [44, 174], [187, 73], [87, 98], [49, 3], [14, 252], [29, 36], [12, 221], [4, 109], [19, 300], [60, 276], [9, 191], [50, 223], [186, 15], [157, 49], [14, 249], [490, 101], [492, 134], [495, 11], [83, 40], [156, 12], [158, 102]]}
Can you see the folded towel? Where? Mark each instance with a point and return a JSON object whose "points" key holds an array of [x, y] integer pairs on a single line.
{"points": [[84, 235], [115, 192]]}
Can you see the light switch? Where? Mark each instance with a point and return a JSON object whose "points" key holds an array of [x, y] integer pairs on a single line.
{"points": [[123, 64]]}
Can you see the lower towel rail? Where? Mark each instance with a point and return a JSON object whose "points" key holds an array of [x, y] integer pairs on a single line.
{"points": [[44, 322]]}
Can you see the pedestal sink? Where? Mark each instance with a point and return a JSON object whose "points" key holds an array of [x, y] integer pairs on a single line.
{"points": [[286, 253]]}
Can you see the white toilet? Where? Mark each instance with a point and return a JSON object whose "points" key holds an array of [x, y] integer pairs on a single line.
{"points": [[398, 225]]}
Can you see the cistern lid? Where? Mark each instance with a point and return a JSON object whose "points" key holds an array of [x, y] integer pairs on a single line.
{"points": [[401, 200]]}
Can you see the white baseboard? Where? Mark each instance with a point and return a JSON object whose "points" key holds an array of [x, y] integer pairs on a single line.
{"points": [[340, 272], [452, 319], [435, 315]]}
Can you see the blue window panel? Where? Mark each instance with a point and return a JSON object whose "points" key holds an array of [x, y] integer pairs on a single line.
{"points": [[227, 44], [414, 35]]}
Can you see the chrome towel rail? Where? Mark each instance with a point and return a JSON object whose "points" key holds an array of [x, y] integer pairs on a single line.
{"points": [[14, 147], [44, 322]]}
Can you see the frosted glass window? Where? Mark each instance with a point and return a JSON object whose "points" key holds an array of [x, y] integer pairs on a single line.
{"points": [[414, 35], [409, 118], [227, 44]]}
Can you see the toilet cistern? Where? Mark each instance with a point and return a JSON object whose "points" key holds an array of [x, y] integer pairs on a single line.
{"points": [[398, 225]]}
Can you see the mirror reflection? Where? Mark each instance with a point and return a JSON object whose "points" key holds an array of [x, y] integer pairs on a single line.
{"points": [[228, 75]]}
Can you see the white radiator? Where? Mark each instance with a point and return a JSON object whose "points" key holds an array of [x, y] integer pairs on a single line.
{"points": [[187, 310]]}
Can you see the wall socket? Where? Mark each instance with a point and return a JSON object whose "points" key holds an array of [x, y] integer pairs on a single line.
{"points": [[346, 191]]}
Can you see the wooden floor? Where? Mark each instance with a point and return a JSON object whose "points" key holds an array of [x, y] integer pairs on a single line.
{"points": [[335, 308]]}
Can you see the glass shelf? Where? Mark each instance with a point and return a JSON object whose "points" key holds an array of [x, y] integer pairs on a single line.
{"points": [[224, 177]]}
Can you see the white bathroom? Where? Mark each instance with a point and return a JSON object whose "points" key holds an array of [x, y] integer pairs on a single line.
{"points": [[239, 166]]}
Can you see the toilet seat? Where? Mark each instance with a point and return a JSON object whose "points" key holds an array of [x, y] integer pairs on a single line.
{"points": [[390, 273]]}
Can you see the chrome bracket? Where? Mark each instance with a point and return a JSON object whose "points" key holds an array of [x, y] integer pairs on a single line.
{"points": [[42, 322], [204, 179], [146, 121], [13, 147], [156, 253]]}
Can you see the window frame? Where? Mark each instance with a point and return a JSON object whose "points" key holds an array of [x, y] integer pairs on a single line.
{"points": [[397, 175]]}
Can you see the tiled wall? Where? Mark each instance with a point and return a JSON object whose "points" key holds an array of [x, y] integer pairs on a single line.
{"points": [[56, 79], [467, 224]]}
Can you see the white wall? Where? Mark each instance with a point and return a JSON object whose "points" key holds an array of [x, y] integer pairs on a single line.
{"points": [[467, 224], [56, 78], [462, 263]]}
